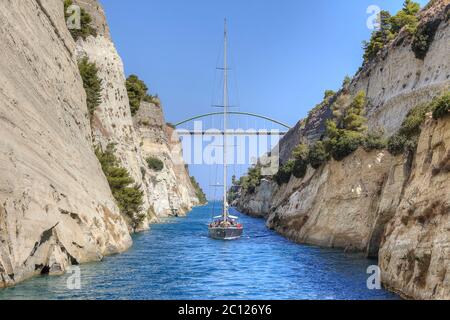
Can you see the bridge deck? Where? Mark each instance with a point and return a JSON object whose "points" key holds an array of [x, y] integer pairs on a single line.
{"points": [[243, 133]]}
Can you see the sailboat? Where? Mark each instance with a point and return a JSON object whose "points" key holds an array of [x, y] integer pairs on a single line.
{"points": [[225, 226]]}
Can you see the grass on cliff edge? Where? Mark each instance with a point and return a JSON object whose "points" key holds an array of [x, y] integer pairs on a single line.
{"points": [[128, 195]]}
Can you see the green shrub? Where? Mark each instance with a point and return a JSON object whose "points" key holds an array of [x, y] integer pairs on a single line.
{"points": [[284, 173], [354, 119], [379, 38], [300, 168], [396, 144], [405, 140], [390, 26], [374, 141], [346, 139], [155, 164], [423, 38], [138, 92], [411, 126], [252, 180], [86, 29], [318, 154], [347, 81], [300, 157], [441, 106], [198, 191], [92, 84], [406, 17], [129, 196], [344, 144]]}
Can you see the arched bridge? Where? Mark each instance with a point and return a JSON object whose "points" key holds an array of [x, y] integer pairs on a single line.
{"points": [[247, 133]]}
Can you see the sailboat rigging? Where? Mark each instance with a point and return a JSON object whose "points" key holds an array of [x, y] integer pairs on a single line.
{"points": [[225, 226]]}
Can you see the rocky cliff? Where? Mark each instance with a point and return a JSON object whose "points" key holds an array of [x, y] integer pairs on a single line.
{"points": [[394, 82], [56, 207], [171, 192], [168, 192], [395, 208]]}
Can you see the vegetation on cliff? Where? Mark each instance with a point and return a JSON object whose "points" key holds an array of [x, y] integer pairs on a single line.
{"points": [[251, 181], [345, 133], [198, 191], [86, 29], [128, 195], [138, 92], [441, 106], [390, 26], [92, 84], [154, 164], [406, 139]]}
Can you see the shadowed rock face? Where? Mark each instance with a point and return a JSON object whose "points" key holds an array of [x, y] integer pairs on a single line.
{"points": [[55, 204], [393, 208]]}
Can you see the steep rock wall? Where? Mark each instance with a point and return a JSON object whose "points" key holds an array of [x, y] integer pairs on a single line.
{"points": [[394, 208], [389, 207], [56, 207], [171, 192], [394, 82], [112, 122], [415, 255], [313, 210], [168, 192]]}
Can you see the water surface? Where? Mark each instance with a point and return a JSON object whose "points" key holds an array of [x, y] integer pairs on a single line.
{"points": [[176, 260]]}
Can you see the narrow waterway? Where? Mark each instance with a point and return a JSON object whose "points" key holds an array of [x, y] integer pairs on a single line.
{"points": [[176, 260]]}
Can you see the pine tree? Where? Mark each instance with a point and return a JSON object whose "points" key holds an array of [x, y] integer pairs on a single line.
{"points": [[92, 84]]}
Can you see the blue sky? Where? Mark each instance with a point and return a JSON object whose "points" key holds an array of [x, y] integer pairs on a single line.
{"points": [[285, 53]]}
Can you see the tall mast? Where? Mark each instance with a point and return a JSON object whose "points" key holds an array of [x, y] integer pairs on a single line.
{"points": [[225, 116]]}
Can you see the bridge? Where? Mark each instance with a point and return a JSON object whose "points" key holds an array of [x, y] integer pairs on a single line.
{"points": [[213, 132]]}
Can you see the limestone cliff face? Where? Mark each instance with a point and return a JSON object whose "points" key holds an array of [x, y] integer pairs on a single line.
{"points": [[170, 190], [259, 203], [388, 207], [112, 122], [56, 207], [393, 208], [313, 210], [415, 254], [394, 82]]}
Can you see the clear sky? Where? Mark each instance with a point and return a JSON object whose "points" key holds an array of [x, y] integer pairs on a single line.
{"points": [[285, 53]]}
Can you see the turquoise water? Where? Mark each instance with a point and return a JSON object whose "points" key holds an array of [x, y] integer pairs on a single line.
{"points": [[176, 260]]}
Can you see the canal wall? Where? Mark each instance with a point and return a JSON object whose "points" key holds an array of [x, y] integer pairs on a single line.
{"points": [[395, 208], [56, 206]]}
